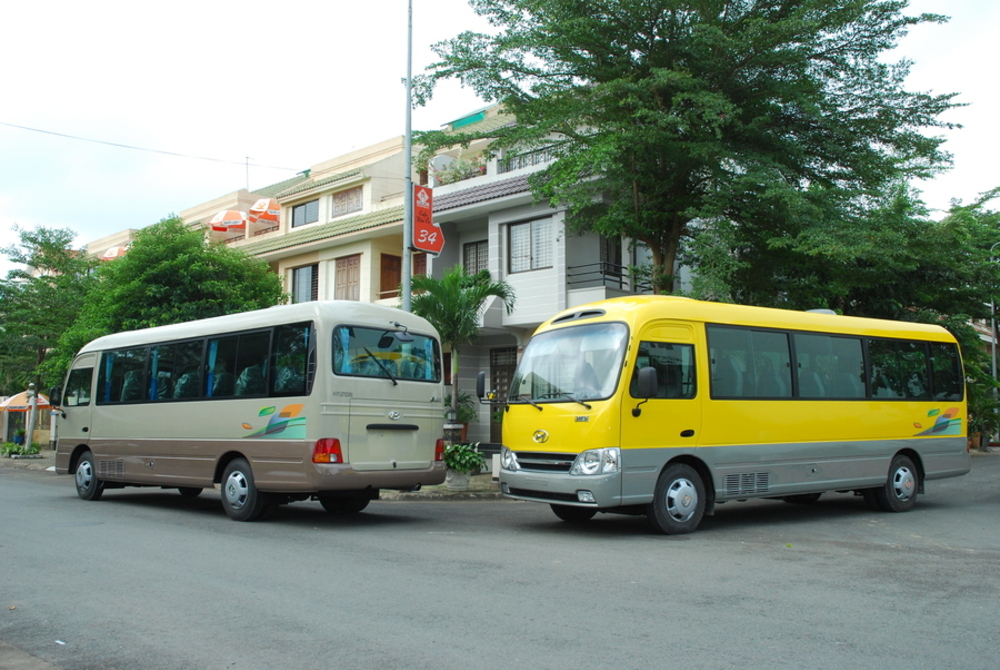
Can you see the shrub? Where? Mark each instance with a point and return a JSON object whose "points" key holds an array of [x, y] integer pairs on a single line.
{"points": [[11, 449], [464, 458]]}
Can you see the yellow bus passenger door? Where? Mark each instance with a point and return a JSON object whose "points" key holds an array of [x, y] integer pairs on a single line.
{"points": [[667, 422]]}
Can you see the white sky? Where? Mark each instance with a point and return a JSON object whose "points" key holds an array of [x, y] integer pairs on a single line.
{"points": [[297, 83]]}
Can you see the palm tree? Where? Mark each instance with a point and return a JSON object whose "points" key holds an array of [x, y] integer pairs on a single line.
{"points": [[453, 305]]}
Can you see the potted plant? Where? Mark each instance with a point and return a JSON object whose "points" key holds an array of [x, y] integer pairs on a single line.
{"points": [[19, 436], [465, 410], [984, 421], [462, 460], [984, 411]]}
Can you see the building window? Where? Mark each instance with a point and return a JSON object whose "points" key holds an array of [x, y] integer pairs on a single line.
{"points": [[307, 212], [346, 202], [418, 265], [305, 283], [530, 245], [391, 276], [348, 282], [476, 256]]}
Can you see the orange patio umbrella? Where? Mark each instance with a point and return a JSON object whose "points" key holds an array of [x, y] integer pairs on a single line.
{"points": [[265, 210], [113, 253], [228, 219]]}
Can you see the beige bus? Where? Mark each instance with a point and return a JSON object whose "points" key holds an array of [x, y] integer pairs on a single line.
{"points": [[329, 401]]}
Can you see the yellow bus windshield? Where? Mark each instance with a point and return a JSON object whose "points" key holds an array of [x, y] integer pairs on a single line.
{"points": [[571, 364]]}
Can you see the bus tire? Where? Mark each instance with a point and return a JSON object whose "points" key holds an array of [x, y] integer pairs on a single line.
{"points": [[899, 493], [571, 514], [341, 505], [678, 500], [189, 491], [240, 497], [88, 486]]}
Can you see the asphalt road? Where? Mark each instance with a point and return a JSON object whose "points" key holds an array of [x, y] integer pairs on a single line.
{"points": [[148, 579]]}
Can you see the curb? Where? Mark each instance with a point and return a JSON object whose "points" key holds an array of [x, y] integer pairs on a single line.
{"points": [[481, 487]]}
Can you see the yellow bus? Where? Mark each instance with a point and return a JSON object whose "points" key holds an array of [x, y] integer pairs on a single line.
{"points": [[330, 401], [668, 406]]}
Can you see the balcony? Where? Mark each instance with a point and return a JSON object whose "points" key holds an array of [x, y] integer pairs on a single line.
{"points": [[530, 159], [608, 275], [452, 171]]}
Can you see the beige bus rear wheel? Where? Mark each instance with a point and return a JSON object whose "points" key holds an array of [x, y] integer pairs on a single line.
{"points": [[240, 497]]}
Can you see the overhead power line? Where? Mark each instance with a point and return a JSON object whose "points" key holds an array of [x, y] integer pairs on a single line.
{"points": [[155, 151]]}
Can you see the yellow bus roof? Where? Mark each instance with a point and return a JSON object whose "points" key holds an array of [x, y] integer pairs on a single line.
{"points": [[638, 309]]}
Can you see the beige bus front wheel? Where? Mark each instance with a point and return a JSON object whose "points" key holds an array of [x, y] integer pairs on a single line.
{"points": [[88, 486]]}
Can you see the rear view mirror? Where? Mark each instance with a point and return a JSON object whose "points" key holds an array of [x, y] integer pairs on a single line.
{"points": [[646, 388], [647, 384]]}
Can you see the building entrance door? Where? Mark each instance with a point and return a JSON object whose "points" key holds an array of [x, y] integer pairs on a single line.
{"points": [[502, 364]]}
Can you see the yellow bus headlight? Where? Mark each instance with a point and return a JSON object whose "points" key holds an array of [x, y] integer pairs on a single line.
{"points": [[597, 462], [508, 459]]}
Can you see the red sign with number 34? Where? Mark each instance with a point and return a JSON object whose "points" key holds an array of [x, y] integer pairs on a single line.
{"points": [[427, 235]]}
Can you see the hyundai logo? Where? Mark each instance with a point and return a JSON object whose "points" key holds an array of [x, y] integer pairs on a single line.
{"points": [[395, 416], [540, 436]]}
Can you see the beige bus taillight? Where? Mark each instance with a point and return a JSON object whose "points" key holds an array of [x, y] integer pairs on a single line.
{"points": [[327, 450], [439, 450]]}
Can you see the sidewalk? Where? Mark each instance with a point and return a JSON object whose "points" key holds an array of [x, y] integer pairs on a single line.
{"points": [[481, 487], [40, 461]]}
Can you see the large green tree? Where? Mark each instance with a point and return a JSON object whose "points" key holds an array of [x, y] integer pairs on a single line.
{"points": [[170, 274], [891, 261], [669, 114], [454, 305], [39, 301]]}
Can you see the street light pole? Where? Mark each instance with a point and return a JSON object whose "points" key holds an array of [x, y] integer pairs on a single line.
{"points": [[993, 328], [993, 323], [408, 163], [29, 433]]}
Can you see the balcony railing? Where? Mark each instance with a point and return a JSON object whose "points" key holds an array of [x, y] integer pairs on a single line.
{"points": [[608, 275], [529, 159]]}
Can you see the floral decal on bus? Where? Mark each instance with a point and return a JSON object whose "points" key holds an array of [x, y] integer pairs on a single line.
{"points": [[946, 423], [286, 424]]}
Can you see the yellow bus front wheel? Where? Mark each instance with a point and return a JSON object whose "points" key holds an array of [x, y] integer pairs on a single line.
{"points": [[678, 500]]}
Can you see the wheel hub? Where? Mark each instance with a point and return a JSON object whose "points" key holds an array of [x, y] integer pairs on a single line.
{"points": [[84, 475], [682, 499], [904, 483], [236, 490]]}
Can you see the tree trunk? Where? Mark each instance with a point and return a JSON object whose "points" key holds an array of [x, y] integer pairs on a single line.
{"points": [[454, 379], [665, 258]]}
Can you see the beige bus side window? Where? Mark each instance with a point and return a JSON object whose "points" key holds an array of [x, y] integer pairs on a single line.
{"points": [[78, 387], [291, 359]]}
